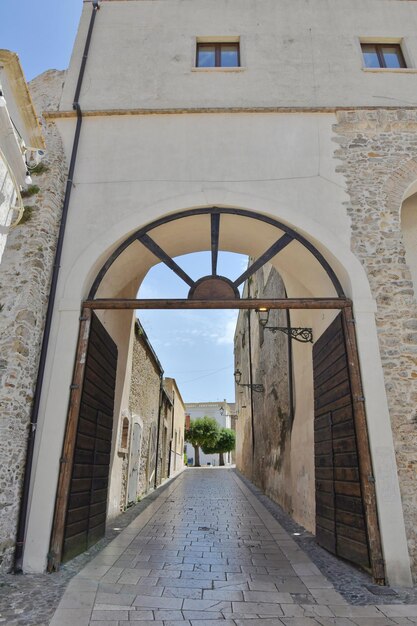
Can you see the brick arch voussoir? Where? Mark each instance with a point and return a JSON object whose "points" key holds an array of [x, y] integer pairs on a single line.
{"points": [[398, 183]]}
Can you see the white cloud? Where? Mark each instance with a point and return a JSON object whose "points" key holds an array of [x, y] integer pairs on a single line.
{"points": [[228, 332]]}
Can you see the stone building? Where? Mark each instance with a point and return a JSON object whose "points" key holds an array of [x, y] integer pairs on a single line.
{"points": [[150, 425], [174, 432], [222, 413], [21, 141], [282, 462], [284, 131], [25, 271]]}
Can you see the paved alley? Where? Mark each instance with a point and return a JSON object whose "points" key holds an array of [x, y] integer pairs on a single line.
{"points": [[206, 549]]}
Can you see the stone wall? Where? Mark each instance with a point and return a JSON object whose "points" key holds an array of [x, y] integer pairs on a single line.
{"points": [[272, 410], [144, 402], [25, 273], [378, 155]]}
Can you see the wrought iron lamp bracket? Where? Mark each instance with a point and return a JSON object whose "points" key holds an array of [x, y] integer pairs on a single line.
{"points": [[260, 388], [303, 335], [238, 377]]}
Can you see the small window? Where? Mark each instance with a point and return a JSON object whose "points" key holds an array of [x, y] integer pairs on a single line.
{"points": [[377, 55], [218, 55], [124, 438]]}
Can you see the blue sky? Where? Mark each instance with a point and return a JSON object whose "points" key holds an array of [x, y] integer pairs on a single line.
{"points": [[42, 32], [195, 347]]}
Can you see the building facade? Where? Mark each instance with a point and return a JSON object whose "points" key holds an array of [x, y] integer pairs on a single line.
{"points": [[247, 118], [25, 273], [221, 412], [148, 412], [21, 141], [174, 433]]}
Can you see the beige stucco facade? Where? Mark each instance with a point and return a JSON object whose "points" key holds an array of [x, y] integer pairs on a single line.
{"points": [[176, 428], [272, 137]]}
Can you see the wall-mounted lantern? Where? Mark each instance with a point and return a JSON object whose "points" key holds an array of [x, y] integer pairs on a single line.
{"points": [[303, 335], [238, 378]]}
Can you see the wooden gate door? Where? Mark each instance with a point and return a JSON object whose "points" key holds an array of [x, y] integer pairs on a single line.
{"points": [[340, 515], [87, 503]]}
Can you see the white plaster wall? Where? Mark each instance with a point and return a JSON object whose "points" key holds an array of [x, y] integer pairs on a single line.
{"points": [[302, 436], [277, 164], [210, 409], [7, 198], [294, 53], [14, 107]]}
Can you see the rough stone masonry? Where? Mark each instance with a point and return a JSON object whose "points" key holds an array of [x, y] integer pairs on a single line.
{"points": [[378, 154], [25, 273]]}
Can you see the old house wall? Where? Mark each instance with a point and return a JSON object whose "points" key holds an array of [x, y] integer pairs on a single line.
{"points": [[144, 402], [177, 430], [283, 461], [164, 441], [25, 273]]}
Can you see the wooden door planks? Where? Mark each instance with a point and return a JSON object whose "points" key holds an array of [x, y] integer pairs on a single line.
{"points": [[64, 479], [362, 440], [93, 444], [81, 503], [340, 517]]}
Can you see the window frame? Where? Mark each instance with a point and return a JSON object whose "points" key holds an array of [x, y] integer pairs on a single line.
{"points": [[217, 54], [380, 55]]}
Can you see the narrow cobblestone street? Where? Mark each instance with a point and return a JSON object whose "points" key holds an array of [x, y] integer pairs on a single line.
{"points": [[206, 549]]}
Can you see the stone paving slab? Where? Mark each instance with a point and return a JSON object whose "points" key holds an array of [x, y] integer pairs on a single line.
{"points": [[205, 551], [211, 553]]}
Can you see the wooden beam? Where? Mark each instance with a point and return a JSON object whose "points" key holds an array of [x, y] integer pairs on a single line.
{"points": [[264, 258], [271, 303], [165, 258], [362, 442], [67, 457], [215, 228]]}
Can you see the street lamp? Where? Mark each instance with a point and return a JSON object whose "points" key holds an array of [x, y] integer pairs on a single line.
{"points": [[303, 335], [238, 378]]}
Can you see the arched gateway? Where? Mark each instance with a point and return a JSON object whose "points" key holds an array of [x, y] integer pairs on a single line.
{"points": [[346, 520]]}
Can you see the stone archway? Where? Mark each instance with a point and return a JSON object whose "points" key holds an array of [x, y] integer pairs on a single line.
{"points": [[215, 291], [118, 283]]}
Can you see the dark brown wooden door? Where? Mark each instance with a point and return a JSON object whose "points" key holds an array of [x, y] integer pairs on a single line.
{"points": [[340, 519], [87, 504]]}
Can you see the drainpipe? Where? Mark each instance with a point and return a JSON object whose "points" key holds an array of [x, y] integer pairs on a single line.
{"points": [[161, 395], [290, 369], [20, 536]]}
